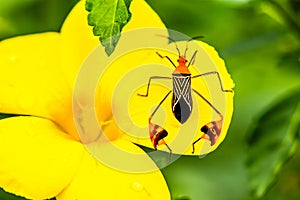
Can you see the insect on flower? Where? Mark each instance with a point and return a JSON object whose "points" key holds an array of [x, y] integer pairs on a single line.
{"points": [[182, 103]]}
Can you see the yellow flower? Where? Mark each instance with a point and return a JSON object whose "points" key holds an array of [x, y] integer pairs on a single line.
{"points": [[40, 153]]}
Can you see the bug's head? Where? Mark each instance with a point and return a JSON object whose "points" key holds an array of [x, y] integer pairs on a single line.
{"points": [[181, 60]]}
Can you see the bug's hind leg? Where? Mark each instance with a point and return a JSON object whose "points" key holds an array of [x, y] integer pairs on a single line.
{"points": [[157, 135], [156, 132], [211, 132]]}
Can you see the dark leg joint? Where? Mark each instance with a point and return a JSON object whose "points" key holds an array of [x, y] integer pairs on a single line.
{"points": [[194, 144]]}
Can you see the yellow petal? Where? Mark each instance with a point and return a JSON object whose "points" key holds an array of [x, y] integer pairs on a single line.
{"points": [[98, 181], [78, 41], [38, 160], [142, 16], [31, 80]]}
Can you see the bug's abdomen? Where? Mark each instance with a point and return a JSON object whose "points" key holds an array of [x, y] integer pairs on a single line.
{"points": [[182, 97]]}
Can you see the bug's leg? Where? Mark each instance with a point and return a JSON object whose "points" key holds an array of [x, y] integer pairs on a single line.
{"points": [[202, 137], [211, 131], [219, 78], [159, 105], [149, 82], [167, 58], [212, 106], [192, 59], [157, 135], [156, 132]]}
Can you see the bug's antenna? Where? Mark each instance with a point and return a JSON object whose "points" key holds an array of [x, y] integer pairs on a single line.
{"points": [[175, 45], [193, 38], [171, 39]]}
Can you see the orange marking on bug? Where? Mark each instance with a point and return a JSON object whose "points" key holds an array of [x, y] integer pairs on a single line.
{"points": [[157, 133], [212, 130]]}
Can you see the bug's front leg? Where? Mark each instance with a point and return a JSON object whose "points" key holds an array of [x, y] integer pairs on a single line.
{"points": [[167, 58]]}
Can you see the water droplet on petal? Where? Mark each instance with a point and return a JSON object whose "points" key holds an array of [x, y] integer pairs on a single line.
{"points": [[136, 186]]}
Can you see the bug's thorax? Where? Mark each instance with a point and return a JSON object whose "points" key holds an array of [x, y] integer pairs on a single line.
{"points": [[182, 68], [182, 98]]}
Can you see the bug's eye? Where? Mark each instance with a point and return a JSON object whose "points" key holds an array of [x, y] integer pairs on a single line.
{"points": [[177, 60], [186, 60]]}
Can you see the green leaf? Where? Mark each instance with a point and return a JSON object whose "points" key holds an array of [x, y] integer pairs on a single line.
{"points": [[272, 142], [108, 17], [5, 115], [9, 196]]}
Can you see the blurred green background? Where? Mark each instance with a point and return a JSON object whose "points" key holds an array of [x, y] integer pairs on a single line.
{"points": [[260, 43]]}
